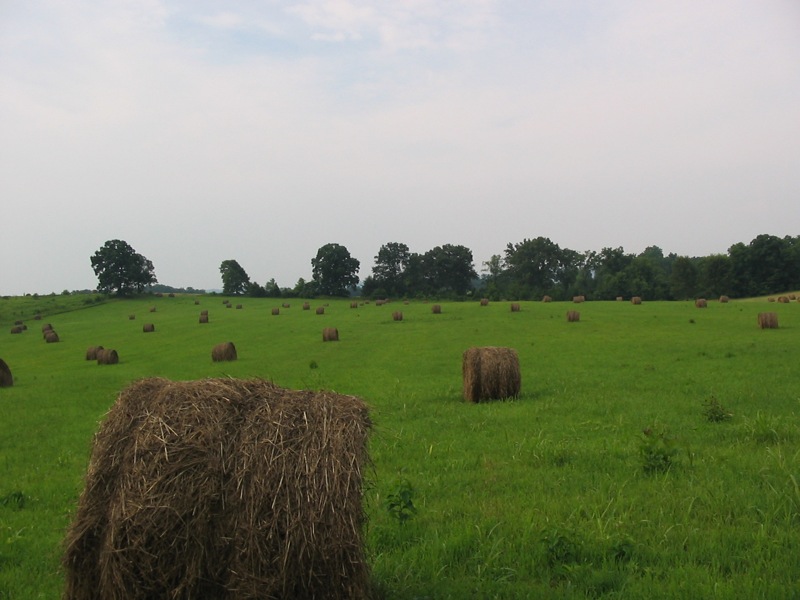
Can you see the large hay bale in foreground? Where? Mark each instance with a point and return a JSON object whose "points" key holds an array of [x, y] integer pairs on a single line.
{"points": [[768, 320], [330, 334], [6, 378], [224, 351], [490, 373], [222, 489]]}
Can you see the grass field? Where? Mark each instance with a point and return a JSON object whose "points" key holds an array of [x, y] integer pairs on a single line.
{"points": [[557, 494]]}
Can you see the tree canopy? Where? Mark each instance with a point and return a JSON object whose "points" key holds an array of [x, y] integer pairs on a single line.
{"points": [[334, 270], [121, 270], [235, 280]]}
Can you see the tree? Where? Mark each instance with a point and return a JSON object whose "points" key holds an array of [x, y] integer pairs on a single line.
{"points": [[538, 266], [334, 270], [683, 279], [387, 274], [448, 269], [235, 280], [121, 270], [714, 277]]}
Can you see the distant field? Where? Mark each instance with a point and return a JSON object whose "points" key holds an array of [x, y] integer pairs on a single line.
{"points": [[557, 494]]}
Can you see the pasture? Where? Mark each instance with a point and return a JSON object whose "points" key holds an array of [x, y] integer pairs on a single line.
{"points": [[654, 450]]}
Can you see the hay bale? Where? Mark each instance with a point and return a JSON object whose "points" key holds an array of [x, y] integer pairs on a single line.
{"points": [[306, 306], [6, 378], [46, 327], [148, 328], [484, 302], [91, 352], [107, 356], [238, 307], [573, 316], [547, 299], [131, 317], [51, 337], [578, 299], [203, 318], [490, 373], [320, 310], [436, 309], [224, 489], [330, 334], [783, 299], [701, 303], [152, 309], [17, 329], [724, 299], [204, 312], [397, 316], [770, 299], [620, 298], [354, 305], [286, 305], [18, 322], [636, 300], [768, 320], [196, 302], [223, 352], [276, 311], [515, 307]]}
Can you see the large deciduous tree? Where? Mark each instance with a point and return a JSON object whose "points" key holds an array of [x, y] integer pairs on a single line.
{"points": [[390, 265], [121, 270], [334, 270], [235, 280]]}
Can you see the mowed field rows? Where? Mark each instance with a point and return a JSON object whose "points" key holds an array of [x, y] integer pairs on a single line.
{"points": [[654, 450]]}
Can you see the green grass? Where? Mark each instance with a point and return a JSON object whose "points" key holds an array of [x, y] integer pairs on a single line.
{"points": [[548, 496]]}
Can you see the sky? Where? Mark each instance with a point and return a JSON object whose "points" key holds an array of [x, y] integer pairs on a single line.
{"points": [[259, 130]]}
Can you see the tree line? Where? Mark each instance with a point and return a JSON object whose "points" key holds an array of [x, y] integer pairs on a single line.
{"points": [[526, 270]]}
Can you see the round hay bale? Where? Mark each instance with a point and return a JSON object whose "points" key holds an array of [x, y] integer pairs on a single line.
{"points": [[578, 299], [51, 337], [17, 322], [701, 303], [196, 302], [724, 299], [92, 351], [636, 300], [573, 316], [783, 299], [148, 328], [17, 329], [131, 317], [436, 309], [107, 356], [239, 307], [484, 302], [204, 312], [515, 307], [770, 299], [768, 320], [152, 309], [46, 327], [222, 488], [224, 352], [620, 298], [330, 334], [6, 378], [286, 305], [354, 305], [171, 294], [490, 373], [397, 316], [203, 318], [229, 305], [320, 310], [547, 299], [276, 311], [306, 306]]}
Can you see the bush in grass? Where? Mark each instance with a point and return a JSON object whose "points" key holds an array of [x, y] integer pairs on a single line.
{"points": [[657, 449], [714, 412], [400, 503]]}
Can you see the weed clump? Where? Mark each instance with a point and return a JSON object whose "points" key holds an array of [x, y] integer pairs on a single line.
{"points": [[657, 449], [714, 412]]}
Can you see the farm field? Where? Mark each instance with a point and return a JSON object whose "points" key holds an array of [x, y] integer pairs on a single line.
{"points": [[654, 450]]}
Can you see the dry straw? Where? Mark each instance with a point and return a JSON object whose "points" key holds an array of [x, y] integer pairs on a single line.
{"points": [[636, 300], [6, 378], [223, 352], [783, 299], [148, 328], [768, 320], [490, 373], [224, 489], [701, 303], [547, 299], [515, 307], [91, 352], [330, 334], [573, 316], [724, 299], [484, 302], [436, 309], [578, 299], [397, 316], [107, 356]]}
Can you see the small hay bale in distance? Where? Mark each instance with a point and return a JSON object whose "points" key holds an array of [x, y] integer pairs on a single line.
{"points": [[204, 318], [578, 299], [196, 302], [152, 309], [224, 352], [276, 311], [547, 299], [701, 303], [397, 316], [515, 307], [573, 316], [51, 337], [783, 299], [222, 488], [17, 329], [107, 356], [330, 334], [320, 310], [354, 305], [148, 328], [91, 352], [436, 309], [286, 305], [620, 298], [306, 306], [131, 317], [636, 300], [724, 299], [6, 378], [484, 302], [768, 320], [239, 307], [490, 373]]}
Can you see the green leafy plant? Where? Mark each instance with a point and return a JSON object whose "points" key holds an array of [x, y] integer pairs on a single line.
{"points": [[714, 412], [657, 449], [400, 503]]}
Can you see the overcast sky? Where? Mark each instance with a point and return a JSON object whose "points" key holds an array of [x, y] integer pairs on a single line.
{"points": [[259, 131]]}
